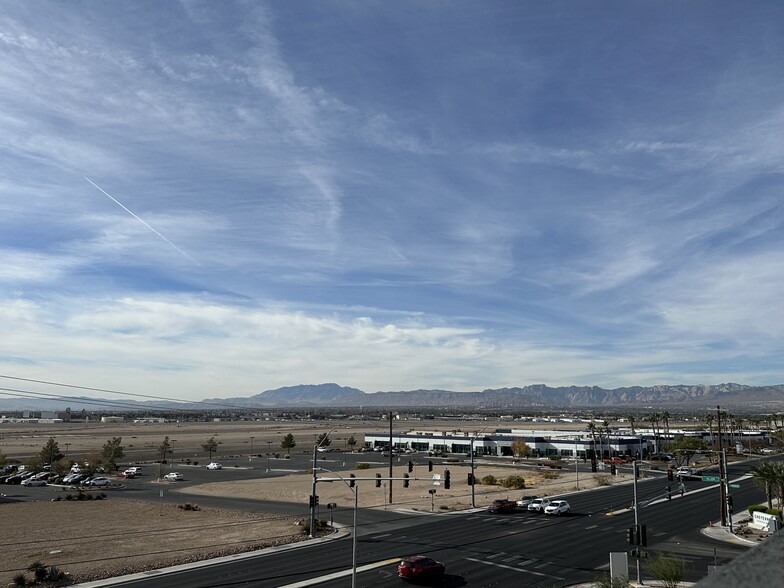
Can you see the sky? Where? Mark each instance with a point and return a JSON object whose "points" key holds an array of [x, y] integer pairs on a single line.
{"points": [[213, 199]]}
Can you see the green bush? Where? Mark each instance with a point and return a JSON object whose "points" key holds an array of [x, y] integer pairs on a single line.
{"points": [[320, 525], [757, 508], [363, 465], [489, 480], [776, 512], [517, 482]]}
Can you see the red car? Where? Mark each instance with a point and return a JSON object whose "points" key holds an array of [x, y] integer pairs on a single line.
{"points": [[502, 505], [419, 567]]}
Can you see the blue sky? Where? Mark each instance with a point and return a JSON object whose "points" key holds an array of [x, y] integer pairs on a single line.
{"points": [[218, 198]]}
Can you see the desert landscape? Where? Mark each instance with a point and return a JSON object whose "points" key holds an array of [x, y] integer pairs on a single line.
{"points": [[132, 535]]}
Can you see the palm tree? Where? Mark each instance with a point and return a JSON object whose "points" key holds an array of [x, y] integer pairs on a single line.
{"points": [[666, 420], [631, 418], [592, 430], [607, 434], [764, 475]]}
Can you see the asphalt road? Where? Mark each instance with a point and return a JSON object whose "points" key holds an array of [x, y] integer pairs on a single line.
{"points": [[480, 549]]}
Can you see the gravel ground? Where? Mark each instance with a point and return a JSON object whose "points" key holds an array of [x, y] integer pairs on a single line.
{"points": [[96, 539]]}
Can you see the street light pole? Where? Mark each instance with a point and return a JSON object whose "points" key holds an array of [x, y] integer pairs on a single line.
{"points": [[636, 520], [250, 457], [269, 451], [576, 461], [473, 470]]}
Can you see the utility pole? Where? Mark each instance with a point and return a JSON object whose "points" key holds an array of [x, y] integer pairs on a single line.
{"points": [[722, 472]]}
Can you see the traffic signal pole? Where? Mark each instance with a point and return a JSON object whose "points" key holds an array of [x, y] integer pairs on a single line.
{"points": [[636, 518]]}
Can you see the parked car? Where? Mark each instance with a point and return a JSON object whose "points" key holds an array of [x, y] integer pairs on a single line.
{"points": [[538, 504], [214, 466], [525, 501], [32, 481], [174, 476], [502, 505], [558, 508], [126, 474], [100, 481], [419, 567], [15, 479], [135, 470]]}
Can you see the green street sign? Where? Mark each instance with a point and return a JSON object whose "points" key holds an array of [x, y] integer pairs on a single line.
{"points": [[710, 478], [734, 485]]}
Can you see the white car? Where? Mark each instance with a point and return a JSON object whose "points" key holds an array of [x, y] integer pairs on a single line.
{"points": [[538, 504], [557, 507], [684, 471], [214, 466], [100, 482], [174, 476], [33, 482], [525, 501], [135, 470]]}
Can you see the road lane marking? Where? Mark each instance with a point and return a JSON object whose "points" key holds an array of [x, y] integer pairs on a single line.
{"points": [[343, 574], [513, 568]]}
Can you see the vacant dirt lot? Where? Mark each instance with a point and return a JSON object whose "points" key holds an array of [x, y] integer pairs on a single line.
{"points": [[103, 538]]}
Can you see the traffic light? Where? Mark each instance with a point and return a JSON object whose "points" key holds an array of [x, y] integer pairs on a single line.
{"points": [[447, 481], [630, 535], [642, 535], [378, 480], [430, 466], [351, 481], [405, 480], [410, 466], [670, 475], [313, 500], [470, 479], [729, 503]]}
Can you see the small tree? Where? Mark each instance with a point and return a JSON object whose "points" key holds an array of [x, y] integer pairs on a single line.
{"points": [[112, 451], [351, 441], [668, 569], [4, 459], [323, 440], [288, 443], [50, 452], [520, 448], [211, 446]]}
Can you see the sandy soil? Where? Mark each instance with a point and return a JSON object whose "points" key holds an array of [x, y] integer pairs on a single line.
{"points": [[103, 538]]}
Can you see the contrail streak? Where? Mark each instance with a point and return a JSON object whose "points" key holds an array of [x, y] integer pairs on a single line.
{"points": [[126, 209]]}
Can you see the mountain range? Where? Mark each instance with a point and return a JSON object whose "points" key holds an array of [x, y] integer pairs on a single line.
{"points": [[538, 396]]}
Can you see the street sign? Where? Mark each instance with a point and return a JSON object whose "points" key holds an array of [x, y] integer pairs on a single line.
{"points": [[436, 479], [734, 485], [710, 478]]}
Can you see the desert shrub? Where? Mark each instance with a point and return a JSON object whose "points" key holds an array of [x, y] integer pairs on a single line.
{"points": [[188, 506], [668, 569], [608, 582], [602, 480], [443, 507], [319, 525], [20, 580], [101, 496], [549, 475], [489, 480], [517, 482], [69, 497], [38, 569], [363, 465], [54, 574]]}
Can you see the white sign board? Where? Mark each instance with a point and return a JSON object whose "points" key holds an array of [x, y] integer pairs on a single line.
{"points": [[436, 479], [619, 565], [765, 522]]}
